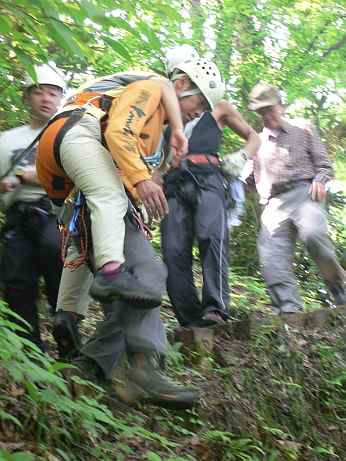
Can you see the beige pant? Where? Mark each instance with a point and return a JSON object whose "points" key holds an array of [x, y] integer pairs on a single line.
{"points": [[91, 168], [74, 286]]}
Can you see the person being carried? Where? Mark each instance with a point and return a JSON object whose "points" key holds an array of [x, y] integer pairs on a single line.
{"points": [[197, 194], [291, 170]]}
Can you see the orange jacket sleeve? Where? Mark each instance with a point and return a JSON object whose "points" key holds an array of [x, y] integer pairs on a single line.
{"points": [[127, 117]]}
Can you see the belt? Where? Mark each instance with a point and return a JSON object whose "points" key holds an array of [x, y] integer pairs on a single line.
{"points": [[206, 159], [281, 188]]}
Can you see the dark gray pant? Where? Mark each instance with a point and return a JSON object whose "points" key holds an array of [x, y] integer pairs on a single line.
{"points": [[285, 218], [127, 328], [196, 212]]}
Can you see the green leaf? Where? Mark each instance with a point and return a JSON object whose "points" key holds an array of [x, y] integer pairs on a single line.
{"points": [[4, 416], [91, 10], [170, 12], [118, 48], [151, 456], [65, 38], [5, 25], [148, 32]]}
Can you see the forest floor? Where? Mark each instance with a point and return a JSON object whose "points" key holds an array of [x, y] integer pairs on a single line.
{"points": [[270, 391]]}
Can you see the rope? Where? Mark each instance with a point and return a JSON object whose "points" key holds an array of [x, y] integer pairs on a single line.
{"points": [[83, 240]]}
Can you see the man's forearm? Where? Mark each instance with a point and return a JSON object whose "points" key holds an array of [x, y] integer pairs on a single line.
{"points": [[171, 105], [253, 143]]}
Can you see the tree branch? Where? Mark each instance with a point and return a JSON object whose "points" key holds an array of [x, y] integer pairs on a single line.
{"points": [[334, 47]]}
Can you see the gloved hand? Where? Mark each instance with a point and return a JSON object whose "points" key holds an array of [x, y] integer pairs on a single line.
{"points": [[233, 164]]}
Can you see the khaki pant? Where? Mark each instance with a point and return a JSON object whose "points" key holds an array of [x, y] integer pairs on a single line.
{"points": [[74, 286], [285, 218], [91, 168]]}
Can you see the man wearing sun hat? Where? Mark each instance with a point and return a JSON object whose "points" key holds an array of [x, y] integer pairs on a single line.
{"points": [[291, 170]]}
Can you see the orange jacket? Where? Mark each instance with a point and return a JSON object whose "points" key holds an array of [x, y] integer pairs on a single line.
{"points": [[134, 128]]}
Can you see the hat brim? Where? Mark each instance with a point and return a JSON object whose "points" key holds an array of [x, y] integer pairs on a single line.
{"points": [[261, 104]]}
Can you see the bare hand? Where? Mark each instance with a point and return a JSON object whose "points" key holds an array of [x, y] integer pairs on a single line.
{"points": [[9, 184], [318, 191], [157, 177], [178, 143], [153, 198]]}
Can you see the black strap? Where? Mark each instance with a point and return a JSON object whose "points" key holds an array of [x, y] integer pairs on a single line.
{"points": [[17, 158], [73, 117]]}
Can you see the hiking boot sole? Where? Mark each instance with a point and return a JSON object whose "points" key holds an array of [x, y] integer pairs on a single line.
{"points": [[143, 302]]}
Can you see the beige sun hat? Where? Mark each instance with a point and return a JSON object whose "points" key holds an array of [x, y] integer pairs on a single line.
{"points": [[264, 95]]}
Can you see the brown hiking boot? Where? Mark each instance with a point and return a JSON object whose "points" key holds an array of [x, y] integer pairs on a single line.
{"points": [[146, 383], [122, 283], [294, 319]]}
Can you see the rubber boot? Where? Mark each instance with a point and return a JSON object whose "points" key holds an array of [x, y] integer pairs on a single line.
{"points": [[66, 334], [146, 383], [123, 284]]}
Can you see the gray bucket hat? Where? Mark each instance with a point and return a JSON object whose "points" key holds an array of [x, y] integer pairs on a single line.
{"points": [[264, 95]]}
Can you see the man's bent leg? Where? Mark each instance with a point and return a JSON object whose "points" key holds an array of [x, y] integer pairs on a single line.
{"points": [[311, 222], [91, 168]]}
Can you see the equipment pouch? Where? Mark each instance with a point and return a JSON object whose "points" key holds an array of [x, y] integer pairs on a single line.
{"points": [[66, 212]]}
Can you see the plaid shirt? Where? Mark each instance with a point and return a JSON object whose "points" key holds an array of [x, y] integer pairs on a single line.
{"points": [[293, 153]]}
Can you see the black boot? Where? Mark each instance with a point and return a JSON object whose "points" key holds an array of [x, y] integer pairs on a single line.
{"points": [[66, 334], [146, 383]]}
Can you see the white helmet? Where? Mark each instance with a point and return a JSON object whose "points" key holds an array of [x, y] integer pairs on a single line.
{"points": [[206, 76], [46, 75], [178, 54]]}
